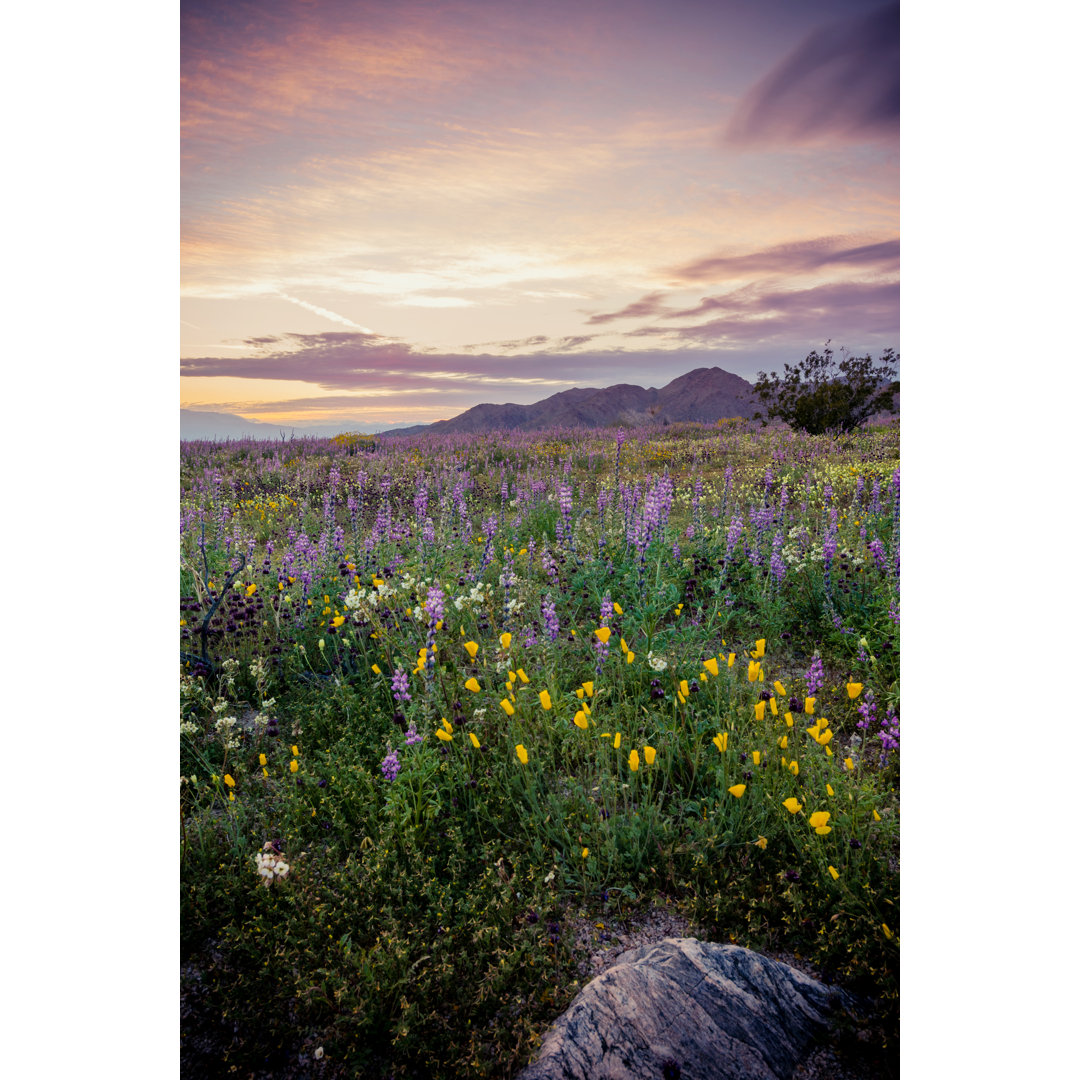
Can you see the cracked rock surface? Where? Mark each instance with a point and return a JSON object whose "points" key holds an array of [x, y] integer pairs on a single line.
{"points": [[691, 1010]]}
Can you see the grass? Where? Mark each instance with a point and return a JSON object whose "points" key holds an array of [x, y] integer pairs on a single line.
{"points": [[430, 924]]}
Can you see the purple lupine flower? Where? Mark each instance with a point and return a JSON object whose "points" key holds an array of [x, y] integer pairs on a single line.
{"points": [[436, 604], [734, 532], [877, 549], [551, 619], [815, 677], [399, 683], [411, 736], [607, 610], [776, 563], [390, 766]]}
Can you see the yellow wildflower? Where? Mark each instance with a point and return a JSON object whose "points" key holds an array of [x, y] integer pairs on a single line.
{"points": [[376, 669], [444, 735], [584, 852], [337, 621], [622, 645], [779, 688], [634, 761], [507, 707], [849, 764], [712, 667], [835, 873], [738, 790], [585, 708], [757, 757], [603, 633], [731, 660], [888, 932], [471, 648], [819, 822], [618, 740], [789, 719], [684, 688], [877, 816], [759, 711], [229, 780], [581, 720], [752, 671], [618, 607], [296, 752], [650, 755], [588, 688], [293, 766], [511, 677], [829, 790], [522, 676], [473, 685], [545, 700], [809, 706], [580, 691], [504, 640], [761, 842], [772, 706], [794, 767], [792, 805], [759, 649], [783, 742], [720, 741], [262, 759], [629, 657], [474, 740], [854, 689], [522, 753]]}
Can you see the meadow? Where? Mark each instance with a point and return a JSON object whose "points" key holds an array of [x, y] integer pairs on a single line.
{"points": [[455, 711]]}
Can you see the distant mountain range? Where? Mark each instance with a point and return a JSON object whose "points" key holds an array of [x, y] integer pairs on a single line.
{"points": [[216, 426], [704, 394]]}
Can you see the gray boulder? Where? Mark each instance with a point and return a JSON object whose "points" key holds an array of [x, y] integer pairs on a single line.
{"points": [[687, 1009]]}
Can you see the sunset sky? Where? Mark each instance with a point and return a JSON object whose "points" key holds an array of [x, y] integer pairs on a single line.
{"points": [[393, 212]]}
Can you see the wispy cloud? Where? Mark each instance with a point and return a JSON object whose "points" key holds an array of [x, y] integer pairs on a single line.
{"points": [[842, 81], [802, 257], [333, 316], [647, 305]]}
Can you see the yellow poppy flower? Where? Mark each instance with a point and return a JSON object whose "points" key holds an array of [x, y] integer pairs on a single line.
{"points": [[854, 689], [471, 648], [761, 842], [603, 634], [759, 649], [703, 676], [650, 755], [756, 755], [229, 780], [296, 752], [474, 740], [789, 719], [829, 790], [522, 676], [262, 759], [682, 700], [783, 742], [584, 852], [580, 691], [759, 711], [752, 671], [588, 688], [511, 677], [738, 790], [293, 766], [849, 764], [545, 700], [712, 667], [731, 660], [629, 657], [504, 640], [618, 740], [507, 707], [819, 818], [623, 645], [792, 805], [265, 773], [809, 706], [824, 737], [887, 931], [720, 741], [618, 607], [794, 768], [376, 669], [877, 816], [835, 873], [684, 688], [444, 735], [522, 753], [585, 708], [581, 720], [446, 724], [337, 621], [779, 688], [473, 685], [634, 762]]}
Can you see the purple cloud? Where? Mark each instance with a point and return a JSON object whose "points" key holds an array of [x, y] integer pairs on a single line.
{"points": [[843, 80], [647, 305], [802, 257]]}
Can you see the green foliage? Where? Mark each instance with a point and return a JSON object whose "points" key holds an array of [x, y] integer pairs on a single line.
{"points": [[821, 395]]}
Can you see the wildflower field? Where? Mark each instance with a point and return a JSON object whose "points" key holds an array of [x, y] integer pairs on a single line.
{"points": [[454, 707]]}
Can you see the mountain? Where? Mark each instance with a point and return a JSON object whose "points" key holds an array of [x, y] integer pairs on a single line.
{"points": [[704, 394], [216, 426]]}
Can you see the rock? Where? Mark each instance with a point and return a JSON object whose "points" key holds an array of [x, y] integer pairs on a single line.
{"points": [[690, 1010]]}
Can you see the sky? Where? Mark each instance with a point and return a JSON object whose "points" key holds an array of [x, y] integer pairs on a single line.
{"points": [[393, 212]]}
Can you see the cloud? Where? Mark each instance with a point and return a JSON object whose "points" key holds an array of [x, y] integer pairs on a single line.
{"points": [[333, 316], [647, 305], [842, 81], [847, 311], [801, 257]]}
